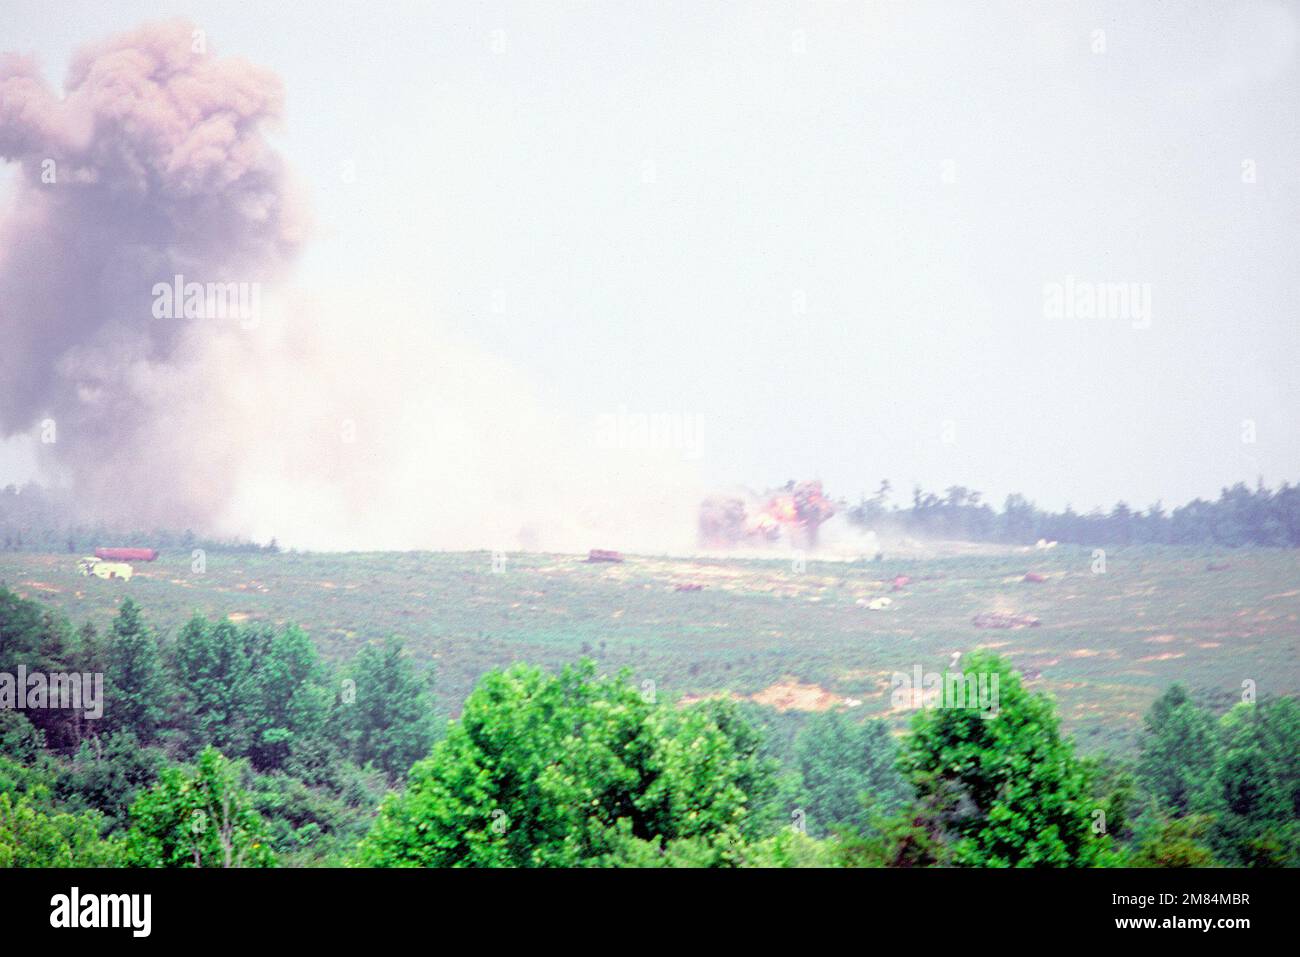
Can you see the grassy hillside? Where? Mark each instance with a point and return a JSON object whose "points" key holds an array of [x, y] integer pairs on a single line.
{"points": [[1107, 643]]}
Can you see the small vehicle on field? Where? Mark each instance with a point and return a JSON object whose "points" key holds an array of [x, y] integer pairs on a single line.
{"points": [[106, 570]]}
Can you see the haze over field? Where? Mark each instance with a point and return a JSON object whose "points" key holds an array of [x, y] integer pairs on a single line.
{"points": [[806, 241], [787, 434]]}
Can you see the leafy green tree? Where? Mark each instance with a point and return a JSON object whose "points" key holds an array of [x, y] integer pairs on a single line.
{"points": [[30, 635], [26, 769], [33, 837], [19, 738], [293, 700], [135, 689], [213, 667], [847, 766], [386, 716], [106, 774], [203, 818], [1178, 751], [39, 639], [1279, 739], [1114, 786], [790, 848], [1007, 789], [569, 769], [617, 846], [311, 824], [776, 796], [909, 838], [1174, 842], [703, 775], [1252, 792], [249, 692]]}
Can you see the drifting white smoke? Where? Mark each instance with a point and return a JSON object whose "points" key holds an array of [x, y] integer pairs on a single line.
{"points": [[323, 424]]}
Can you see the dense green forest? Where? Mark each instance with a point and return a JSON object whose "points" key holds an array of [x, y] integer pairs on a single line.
{"points": [[1240, 516], [32, 519], [229, 746]]}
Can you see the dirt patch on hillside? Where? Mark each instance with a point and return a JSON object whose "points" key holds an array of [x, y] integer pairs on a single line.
{"points": [[795, 696], [45, 587]]}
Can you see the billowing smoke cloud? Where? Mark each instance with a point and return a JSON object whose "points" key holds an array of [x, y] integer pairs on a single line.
{"points": [[151, 165], [326, 424]]}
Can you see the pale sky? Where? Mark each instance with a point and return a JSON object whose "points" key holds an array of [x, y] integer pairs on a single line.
{"points": [[823, 228]]}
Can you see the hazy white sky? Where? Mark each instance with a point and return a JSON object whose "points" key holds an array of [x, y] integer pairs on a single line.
{"points": [[825, 228]]}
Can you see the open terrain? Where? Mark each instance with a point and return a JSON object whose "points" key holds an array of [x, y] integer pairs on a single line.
{"points": [[794, 640]]}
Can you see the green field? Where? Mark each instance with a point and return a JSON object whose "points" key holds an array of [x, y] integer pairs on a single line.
{"points": [[1107, 644]]}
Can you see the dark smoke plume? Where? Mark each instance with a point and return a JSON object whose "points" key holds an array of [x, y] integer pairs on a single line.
{"points": [[151, 165], [345, 418]]}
